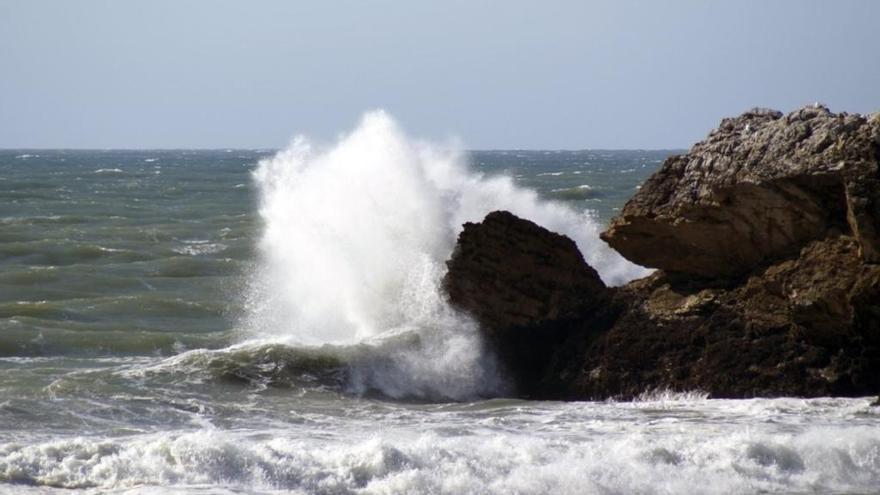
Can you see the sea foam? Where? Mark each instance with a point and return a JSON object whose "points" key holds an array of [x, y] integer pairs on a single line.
{"points": [[560, 448], [355, 238]]}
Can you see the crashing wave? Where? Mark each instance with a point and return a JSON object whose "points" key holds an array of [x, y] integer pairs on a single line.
{"points": [[355, 239]]}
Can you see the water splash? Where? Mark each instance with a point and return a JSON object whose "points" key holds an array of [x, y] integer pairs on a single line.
{"points": [[719, 446], [356, 235]]}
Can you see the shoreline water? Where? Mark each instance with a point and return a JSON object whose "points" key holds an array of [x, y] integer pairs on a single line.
{"points": [[121, 277]]}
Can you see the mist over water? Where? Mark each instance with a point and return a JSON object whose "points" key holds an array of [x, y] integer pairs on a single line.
{"points": [[354, 243]]}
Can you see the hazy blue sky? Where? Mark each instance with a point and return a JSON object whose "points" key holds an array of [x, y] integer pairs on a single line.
{"points": [[504, 74]]}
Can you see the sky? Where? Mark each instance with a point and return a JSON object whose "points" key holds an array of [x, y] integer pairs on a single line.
{"points": [[496, 75]]}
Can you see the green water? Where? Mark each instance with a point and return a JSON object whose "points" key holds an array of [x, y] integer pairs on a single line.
{"points": [[148, 252], [128, 279]]}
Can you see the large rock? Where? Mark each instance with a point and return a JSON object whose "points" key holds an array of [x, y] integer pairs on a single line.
{"points": [[755, 190], [804, 326], [526, 287], [766, 234], [808, 326], [512, 274]]}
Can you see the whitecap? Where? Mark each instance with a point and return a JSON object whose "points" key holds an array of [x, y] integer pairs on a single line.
{"points": [[594, 458], [355, 240], [199, 247]]}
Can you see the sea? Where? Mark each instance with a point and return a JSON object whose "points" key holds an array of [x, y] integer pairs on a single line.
{"points": [[270, 321]]}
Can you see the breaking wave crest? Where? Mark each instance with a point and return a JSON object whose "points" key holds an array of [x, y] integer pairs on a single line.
{"points": [[354, 241], [387, 368], [471, 454]]}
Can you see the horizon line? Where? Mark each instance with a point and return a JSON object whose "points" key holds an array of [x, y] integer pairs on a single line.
{"points": [[279, 149]]}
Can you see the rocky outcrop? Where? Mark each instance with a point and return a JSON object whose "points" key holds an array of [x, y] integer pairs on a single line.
{"points": [[807, 326], [528, 288], [756, 190], [766, 236], [511, 274]]}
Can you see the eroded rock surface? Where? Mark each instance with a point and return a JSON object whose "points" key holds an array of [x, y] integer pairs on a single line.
{"points": [[807, 326], [766, 236], [755, 190]]}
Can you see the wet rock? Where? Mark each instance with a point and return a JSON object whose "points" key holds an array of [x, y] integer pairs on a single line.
{"points": [[527, 287], [511, 273], [804, 326], [766, 236]]}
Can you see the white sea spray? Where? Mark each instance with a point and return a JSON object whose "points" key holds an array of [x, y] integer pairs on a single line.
{"points": [[676, 446], [354, 241]]}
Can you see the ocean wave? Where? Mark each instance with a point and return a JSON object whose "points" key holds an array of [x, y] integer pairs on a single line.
{"points": [[193, 266], [666, 395], [151, 304], [427, 460], [257, 366], [61, 252], [30, 219], [389, 367], [50, 310], [583, 191], [355, 241], [47, 335], [99, 310], [29, 276], [200, 247]]}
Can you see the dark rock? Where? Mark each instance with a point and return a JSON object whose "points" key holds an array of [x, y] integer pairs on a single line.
{"points": [[806, 327], [755, 190], [526, 286], [766, 234], [511, 273]]}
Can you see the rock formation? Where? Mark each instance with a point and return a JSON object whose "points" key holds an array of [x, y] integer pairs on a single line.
{"points": [[757, 189], [806, 326], [526, 286], [512, 273], [767, 240]]}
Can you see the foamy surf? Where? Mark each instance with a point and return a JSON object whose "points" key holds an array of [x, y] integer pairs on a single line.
{"points": [[355, 237], [130, 367], [384, 368], [492, 447]]}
